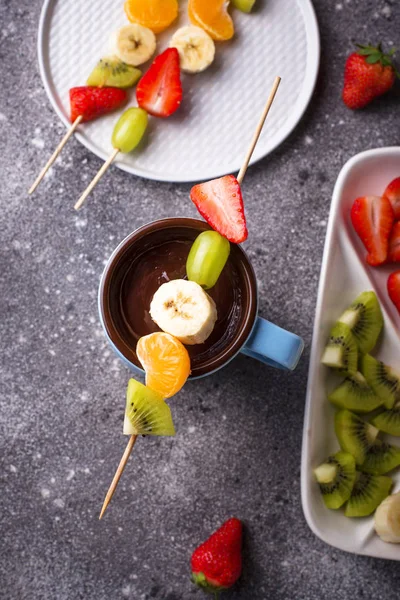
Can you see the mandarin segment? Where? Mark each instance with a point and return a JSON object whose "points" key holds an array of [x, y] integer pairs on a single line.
{"points": [[157, 15], [213, 17], [166, 362]]}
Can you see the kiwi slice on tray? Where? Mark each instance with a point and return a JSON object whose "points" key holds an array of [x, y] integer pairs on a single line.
{"points": [[336, 478], [341, 351], [355, 394], [114, 73], [146, 412], [365, 319], [381, 458], [355, 435], [383, 379], [388, 420], [367, 494]]}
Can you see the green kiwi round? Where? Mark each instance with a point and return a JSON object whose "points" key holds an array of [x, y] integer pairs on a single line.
{"points": [[355, 436], [381, 458], [113, 72], [336, 479], [146, 412], [355, 394], [365, 319], [341, 351], [383, 380], [367, 494], [388, 420]]}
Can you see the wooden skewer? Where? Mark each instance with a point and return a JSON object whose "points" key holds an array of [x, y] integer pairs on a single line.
{"points": [[96, 179], [240, 176], [118, 474], [55, 154], [258, 130]]}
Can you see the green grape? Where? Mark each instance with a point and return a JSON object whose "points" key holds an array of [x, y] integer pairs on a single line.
{"points": [[207, 258], [129, 129]]}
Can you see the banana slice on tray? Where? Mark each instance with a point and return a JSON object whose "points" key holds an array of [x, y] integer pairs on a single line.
{"points": [[196, 48], [133, 44], [387, 519], [183, 309]]}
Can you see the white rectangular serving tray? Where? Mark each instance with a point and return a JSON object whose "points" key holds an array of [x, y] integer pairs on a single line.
{"points": [[345, 274]]}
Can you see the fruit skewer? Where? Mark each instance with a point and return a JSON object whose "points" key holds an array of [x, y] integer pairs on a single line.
{"points": [[159, 93], [240, 178]]}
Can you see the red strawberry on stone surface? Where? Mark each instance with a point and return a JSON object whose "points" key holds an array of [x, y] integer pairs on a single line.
{"points": [[393, 286], [217, 563], [372, 218], [394, 244], [220, 203], [392, 193], [92, 102], [368, 74], [159, 91]]}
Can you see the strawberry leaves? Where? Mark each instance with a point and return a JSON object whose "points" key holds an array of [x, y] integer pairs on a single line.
{"points": [[375, 54]]}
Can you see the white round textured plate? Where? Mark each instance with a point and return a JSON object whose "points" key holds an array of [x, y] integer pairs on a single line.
{"points": [[209, 135]]}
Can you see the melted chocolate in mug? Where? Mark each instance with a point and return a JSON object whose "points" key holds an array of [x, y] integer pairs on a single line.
{"points": [[159, 256], [161, 264]]}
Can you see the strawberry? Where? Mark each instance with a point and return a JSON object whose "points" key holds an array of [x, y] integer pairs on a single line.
{"points": [[372, 218], [92, 102], [217, 563], [159, 91], [393, 287], [368, 73], [220, 202], [392, 192], [394, 244]]}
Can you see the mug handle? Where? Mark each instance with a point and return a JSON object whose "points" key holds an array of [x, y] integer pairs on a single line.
{"points": [[273, 345]]}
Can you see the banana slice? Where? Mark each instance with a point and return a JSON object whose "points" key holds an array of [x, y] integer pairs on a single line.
{"points": [[387, 519], [133, 44], [183, 309], [196, 48]]}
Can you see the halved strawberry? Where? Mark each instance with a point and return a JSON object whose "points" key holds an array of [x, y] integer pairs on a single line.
{"points": [[372, 218], [393, 286], [394, 244], [220, 202], [91, 102], [392, 193], [159, 91]]}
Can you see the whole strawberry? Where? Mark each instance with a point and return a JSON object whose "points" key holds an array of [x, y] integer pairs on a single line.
{"points": [[217, 563], [368, 74]]}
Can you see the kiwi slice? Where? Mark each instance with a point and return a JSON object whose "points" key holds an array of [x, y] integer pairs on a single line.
{"points": [[383, 379], [367, 494], [388, 420], [146, 412], [341, 352], [355, 435], [365, 319], [355, 394], [381, 458], [336, 479], [114, 73]]}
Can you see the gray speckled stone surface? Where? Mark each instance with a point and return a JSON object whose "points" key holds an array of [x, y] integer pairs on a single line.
{"points": [[62, 391]]}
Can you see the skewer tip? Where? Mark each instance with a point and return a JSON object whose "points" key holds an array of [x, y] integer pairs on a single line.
{"points": [[118, 474]]}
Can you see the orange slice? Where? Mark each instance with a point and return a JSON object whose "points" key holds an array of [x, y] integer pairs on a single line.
{"points": [[213, 17], [166, 362], [157, 15]]}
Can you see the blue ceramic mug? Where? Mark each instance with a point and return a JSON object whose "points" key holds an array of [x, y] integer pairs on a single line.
{"points": [[156, 253]]}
